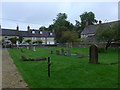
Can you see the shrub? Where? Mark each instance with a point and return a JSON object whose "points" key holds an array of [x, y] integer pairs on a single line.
{"points": [[28, 41]]}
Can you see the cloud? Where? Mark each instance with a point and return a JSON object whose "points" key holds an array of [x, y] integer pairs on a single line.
{"points": [[38, 14]]}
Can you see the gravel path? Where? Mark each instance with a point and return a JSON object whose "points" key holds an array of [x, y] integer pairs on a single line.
{"points": [[10, 76]]}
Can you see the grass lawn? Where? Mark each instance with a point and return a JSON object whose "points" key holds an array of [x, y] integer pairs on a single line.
{"points": [[67, 72]]}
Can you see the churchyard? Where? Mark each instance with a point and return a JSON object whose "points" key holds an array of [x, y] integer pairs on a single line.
{"points": [[60, 67]]}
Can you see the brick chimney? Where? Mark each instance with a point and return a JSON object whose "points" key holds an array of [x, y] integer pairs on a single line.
{"points": [[17, 28], [100, 21], [28, 28]]}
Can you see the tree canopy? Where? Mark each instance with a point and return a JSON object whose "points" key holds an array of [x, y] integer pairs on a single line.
{"points": [[87, 17], [108, 33]]}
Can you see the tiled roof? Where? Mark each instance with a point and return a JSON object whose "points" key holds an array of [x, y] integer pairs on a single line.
{"points": [[91, 29], [10, 32]]}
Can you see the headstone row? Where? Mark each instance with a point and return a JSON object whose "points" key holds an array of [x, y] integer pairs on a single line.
{"points": [[62, 52]]}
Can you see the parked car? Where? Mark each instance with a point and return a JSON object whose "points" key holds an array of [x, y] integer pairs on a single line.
{"points": [[24, 43]]}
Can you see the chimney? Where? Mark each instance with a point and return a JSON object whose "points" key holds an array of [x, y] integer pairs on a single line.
{"points": [[86, 23], [17, 28], [100, 21], [28, 28]]}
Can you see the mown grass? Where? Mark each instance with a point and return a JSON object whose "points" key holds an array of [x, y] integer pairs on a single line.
{"points": [[67, 72]]}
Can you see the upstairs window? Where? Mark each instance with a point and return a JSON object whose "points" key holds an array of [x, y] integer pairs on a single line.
{"points": [[40, 32], [33, 32], [51, 33]]}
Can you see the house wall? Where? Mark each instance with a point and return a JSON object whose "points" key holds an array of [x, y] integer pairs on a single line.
{"points": [[87, 35], [48, 40], [84, 36]]}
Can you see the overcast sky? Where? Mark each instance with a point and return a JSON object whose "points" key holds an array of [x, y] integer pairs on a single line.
{"points": [[38, 14]]}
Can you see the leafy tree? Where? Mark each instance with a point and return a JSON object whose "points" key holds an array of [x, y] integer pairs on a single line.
{"points": [[77, 27], [43, 28], [20, 39], [13, 40], [61, 24], [87, 17], [108, 33], [69, 37], [51, 27]]}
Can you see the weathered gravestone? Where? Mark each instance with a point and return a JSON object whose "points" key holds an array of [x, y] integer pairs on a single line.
{"points": [[51, 52], [68, 52], [62, 52], [57, 52], [34, 49], [93, 54], [30, 47]]}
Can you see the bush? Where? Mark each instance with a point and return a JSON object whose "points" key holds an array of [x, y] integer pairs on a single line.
{"points": [[28, 41], [38, 42]]}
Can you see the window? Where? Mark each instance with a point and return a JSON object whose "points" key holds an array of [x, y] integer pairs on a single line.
{"points": [[33, 32], [33, 38], [42, 38], [51, 33], [40, 32]]}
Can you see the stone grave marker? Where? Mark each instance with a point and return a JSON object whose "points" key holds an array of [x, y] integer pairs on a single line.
{"points": [[93, 54], [57, 52], [34, 49], [51, 52]]}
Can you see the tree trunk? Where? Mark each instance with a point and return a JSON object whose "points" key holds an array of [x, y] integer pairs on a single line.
{"points": [[108, 44]]}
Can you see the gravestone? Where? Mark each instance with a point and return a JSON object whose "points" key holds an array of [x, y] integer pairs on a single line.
{"points": [[93, 57], [30, 47], [57, 52], [68, 52], [34, 49], [51, 52], [62, 52]]}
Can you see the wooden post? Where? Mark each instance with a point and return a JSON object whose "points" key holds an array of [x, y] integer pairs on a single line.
{"points": [[49, 66]]}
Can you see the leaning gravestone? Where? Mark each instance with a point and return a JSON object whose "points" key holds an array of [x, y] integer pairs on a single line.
{"points": [[51, 52], [93, 57], [57, 52]]}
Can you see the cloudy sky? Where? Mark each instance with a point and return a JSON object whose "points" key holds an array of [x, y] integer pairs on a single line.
{"points": [[38, 14]]}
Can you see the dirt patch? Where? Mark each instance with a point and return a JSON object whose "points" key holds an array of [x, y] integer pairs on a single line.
{"points": [[11, 78]]}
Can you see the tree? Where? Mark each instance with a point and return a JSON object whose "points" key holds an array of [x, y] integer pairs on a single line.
{"points": [[69, 36], [108, 33], [13, 40], [77, 27], [43, 28], [87, 17], [61, 24]]}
